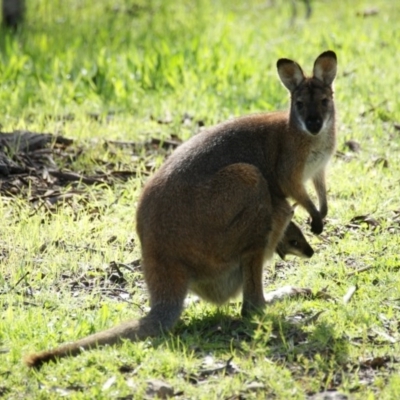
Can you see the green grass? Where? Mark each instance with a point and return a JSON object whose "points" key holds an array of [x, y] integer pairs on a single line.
{"points": [[140, 61]]}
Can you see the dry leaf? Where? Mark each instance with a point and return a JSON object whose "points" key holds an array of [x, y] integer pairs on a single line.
{"points": [[353, 146], [159, 388], [376, 362], [329, 395], [368, 12], [365, 219]]}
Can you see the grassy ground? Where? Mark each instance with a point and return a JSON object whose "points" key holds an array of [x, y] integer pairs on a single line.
{"points": [[96, 71]]}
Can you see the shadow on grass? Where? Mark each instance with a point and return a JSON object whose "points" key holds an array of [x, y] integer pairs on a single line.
{"points": [[304, 346], [282, 336]]}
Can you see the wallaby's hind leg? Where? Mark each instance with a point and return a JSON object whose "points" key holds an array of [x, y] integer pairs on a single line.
{"points": [[252, 263], [167, 283], [252, 269]]}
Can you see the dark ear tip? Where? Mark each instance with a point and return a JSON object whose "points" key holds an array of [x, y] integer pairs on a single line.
{"points": [[283, 61], [329, 53]]}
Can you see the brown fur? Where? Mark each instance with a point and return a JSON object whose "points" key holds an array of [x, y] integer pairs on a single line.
{"points": [[217, 209]]}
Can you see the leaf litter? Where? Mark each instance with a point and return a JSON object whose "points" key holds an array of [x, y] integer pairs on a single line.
{"points": [[29, 170], [29, 166]]}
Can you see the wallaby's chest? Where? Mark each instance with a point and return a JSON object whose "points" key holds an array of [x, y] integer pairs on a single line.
{"points": [[317, 159]]}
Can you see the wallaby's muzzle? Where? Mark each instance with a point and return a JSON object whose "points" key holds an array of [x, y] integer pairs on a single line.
{"points": [[314, 125]]}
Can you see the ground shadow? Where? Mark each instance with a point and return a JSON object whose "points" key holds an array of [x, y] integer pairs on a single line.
{"points": [[291, 343]]}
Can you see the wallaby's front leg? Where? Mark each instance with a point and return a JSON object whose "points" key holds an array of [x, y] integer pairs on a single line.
{"points": [[300, 194], [317, 224], [252, 269], [320, 188]]}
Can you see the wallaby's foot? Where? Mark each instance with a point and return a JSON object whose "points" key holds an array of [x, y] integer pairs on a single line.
{"points": [[271, 297], [250, 309], [253, 293], [278, 294], [286, 291]]}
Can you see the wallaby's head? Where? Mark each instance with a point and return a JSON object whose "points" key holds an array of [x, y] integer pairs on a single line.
{"points": [[294, 243], [312, 107]]}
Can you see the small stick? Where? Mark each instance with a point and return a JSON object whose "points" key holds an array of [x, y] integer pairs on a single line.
{"points": [[391, 339], [356, 271], [20, 280], [119, 265], [350, 293]]}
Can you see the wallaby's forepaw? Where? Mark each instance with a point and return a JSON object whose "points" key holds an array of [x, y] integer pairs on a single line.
{"points": [[317, 225]]}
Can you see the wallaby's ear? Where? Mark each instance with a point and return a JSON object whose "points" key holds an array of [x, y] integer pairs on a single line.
{"points": [[290, 73], [325, 67]]}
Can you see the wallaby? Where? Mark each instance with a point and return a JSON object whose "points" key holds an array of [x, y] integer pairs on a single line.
{"points": [[217, 208]]}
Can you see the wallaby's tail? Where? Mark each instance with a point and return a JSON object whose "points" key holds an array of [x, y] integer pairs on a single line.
{"points": [[160, 319]]}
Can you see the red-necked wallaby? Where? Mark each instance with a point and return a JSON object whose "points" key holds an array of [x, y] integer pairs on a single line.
{"points": [[217, 208]]}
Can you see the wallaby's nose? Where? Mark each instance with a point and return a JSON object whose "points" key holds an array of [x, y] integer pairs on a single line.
{"points": [[314, 124], [309, 252]]}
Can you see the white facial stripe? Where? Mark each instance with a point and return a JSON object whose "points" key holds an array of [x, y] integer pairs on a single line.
{"points": [[297, 252], [303, 126]]}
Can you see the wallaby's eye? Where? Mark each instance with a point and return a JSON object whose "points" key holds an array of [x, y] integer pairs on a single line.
{"points": [[325, 102], [299, 105], [294, 243]]}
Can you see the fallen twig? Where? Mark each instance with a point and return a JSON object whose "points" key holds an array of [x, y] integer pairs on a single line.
{"points": [[389, 338], [73, 177], [350, 293], [363, 269], [20, 280], [127, 266]]}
